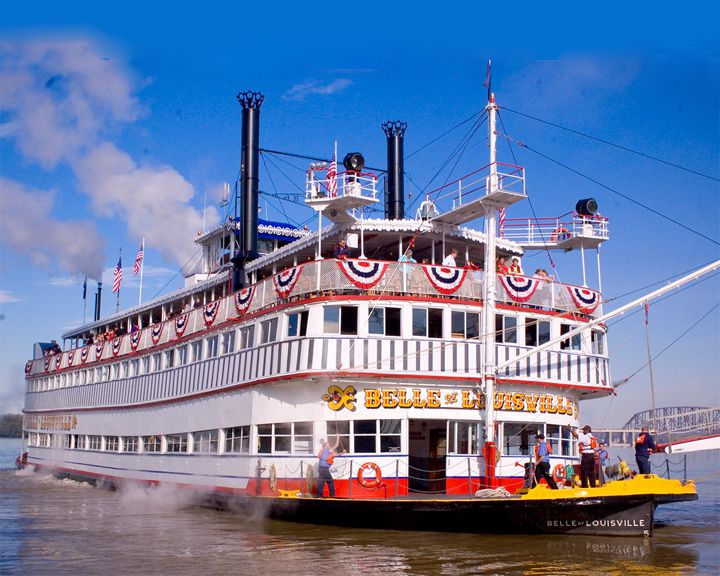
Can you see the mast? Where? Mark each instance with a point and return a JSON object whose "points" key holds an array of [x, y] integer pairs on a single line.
{"points": [[490, 449]]}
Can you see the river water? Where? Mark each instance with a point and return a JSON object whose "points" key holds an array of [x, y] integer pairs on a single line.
{"points": [[50, 526]]}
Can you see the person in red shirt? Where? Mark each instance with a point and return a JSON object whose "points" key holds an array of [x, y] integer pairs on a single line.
{"points": [[501, 266]]}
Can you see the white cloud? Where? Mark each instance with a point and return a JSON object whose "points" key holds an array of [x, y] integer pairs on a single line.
{"points": [[74, 246], [7, 297], [302, 91]]}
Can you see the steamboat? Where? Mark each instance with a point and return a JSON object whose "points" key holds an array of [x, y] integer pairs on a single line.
{"points": [[431, 376]]}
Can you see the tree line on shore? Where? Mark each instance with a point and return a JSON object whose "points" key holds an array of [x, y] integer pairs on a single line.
{"points": [[11, 425]]}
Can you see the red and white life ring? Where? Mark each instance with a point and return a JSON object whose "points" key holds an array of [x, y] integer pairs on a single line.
{"points": [[369, 483], [560, 233], [559, 473]]}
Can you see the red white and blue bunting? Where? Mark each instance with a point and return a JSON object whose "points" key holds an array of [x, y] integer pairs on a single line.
{"points": [[84, 353], [71, 357], [286, 280], [519, 288], [58, 361], [99, 350], [585, 299], [28, 366], [135, 339], [181, 322], [243, 299], [364, 274], [210, 310], [116, 343], [446, 280], [156, 332]]}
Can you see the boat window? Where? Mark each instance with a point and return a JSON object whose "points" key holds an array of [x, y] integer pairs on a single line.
{"points": [[506, 329], [572, 343], [94, 442], [297, 324], [237, 440], [427, 322], [205, 442], [212, 346], [340, 319], [182, 353], [384, 321], [463, 437], [537, 332], [285, 438], [597, 342], [146, 364], [264, 438], [169, 358], [302, 437], [268, 331], [130, 444], [390, 435], [105, 371], [364, 436], [177, 442], [111, 443], [157, 362], [517, 437], [465, 325], [247, 337], [197, 350], [227, 343], [152, 443], [341, 431]]}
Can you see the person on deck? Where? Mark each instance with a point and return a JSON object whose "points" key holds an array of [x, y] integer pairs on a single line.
{"points": [[602, 458], [450, 258], [644, 445], [341, 251], [407, 256], [325, 460], [587, 445], [501, 266], [515, 269], [542, 461]]}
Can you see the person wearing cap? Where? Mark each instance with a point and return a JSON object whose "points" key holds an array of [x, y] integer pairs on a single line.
{"points": [[325, 460], [586, 445], [542, 461]]}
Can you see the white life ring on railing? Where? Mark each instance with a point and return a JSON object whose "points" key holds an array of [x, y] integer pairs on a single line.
{"points": [[559, 473], [369, 483], [560, 233]]}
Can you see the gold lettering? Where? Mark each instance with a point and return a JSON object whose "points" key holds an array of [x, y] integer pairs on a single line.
{"points": [[466, 401], [417, 401], [388, 398], [372, 398], [531, 401], [518, 401], [508, 400], [403, 400], [551, 408], [498, 400], [543, 400], [561, 405], [433, 398]]}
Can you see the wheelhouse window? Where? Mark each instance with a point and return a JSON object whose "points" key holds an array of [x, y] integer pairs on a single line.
{"points": [[177, 443], [385, 321], [237, 440], [572, 343], [205, 442], [463, 437], [340, 319], [465, 325], [506, 328], [597, 341], [427, 322], [268, 331], [297, 324], [537, 332]]}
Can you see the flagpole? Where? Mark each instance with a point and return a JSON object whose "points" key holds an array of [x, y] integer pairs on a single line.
{"points": [[142, 266], [84, 300]]}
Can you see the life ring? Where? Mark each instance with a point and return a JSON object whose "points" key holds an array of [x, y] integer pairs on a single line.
{"points": [[560, 233], [559, 473], [367, 482]]}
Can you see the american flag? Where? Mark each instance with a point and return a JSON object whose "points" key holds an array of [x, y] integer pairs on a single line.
{"points": [[139, 259], [331, 178], [117, 276]]}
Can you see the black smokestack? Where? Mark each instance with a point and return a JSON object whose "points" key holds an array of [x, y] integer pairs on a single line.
{"points": [[249, 170], [395, 203], [98, 301]]}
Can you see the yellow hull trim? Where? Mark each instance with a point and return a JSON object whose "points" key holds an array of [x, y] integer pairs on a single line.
{"points": [[646, 484]]}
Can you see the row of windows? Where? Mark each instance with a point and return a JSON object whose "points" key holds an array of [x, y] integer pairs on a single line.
{"points": [[427, 322]]}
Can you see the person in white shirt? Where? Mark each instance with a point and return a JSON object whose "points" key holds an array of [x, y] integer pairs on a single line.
{"points": [[450, 258], [587, 445]]}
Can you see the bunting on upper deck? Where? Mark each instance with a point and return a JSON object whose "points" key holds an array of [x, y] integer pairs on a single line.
{"points": [[28, 366], [519, 288], [156, 331], [286, 280], [364, 274], [181, 323], [135, 339], [243, 299], [585, 299], [99, 350], [445, 279], [116, 344], [84, 353], [71, 357], [210, 310]]}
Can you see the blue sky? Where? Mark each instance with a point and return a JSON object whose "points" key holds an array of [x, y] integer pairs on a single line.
{"points": [[121, 124]]}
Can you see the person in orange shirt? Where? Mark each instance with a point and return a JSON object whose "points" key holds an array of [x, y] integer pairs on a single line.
{"points": [[501, 266]]}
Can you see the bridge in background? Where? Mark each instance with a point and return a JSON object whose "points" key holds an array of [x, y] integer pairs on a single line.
{"points": [[666, 424]]}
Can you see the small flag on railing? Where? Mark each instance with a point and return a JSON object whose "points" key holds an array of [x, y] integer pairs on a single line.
{"points": [[117, 276], [331, 178], [139, 259]]}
